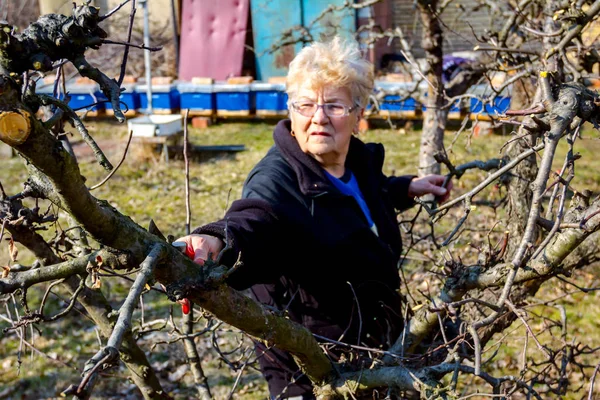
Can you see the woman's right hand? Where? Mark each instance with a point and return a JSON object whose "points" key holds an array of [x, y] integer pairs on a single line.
{"points": [[202, 246]]}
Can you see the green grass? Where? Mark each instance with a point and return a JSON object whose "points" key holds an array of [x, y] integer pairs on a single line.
{"points": [[146, 188]]}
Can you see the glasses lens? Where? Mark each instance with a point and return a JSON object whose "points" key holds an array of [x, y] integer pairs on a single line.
{"points": [[335, 109], [307, 109]]}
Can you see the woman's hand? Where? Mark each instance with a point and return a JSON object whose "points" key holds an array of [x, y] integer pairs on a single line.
{"points": [[200, 246], [430, 184]]}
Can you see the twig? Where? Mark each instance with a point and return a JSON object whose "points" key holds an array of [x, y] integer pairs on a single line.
{"points": [[126, 51], [110, 352], [538, 109], [109, 86], [209, 328], [2, 192], [360, 321], [91, 373], [559, 217], [188, 319], [45, 297], [100, 157], [137, 46], [114, 10], [591, 391], [123, 323], [568, 159], [491, 178], [543, 34], [57, 271], [514, 309], [458, 225], [506, 50], [96, 186], [38, 351], [237, 379]]}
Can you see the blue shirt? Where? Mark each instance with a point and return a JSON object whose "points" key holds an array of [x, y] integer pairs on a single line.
{"points": [[348, 185]]}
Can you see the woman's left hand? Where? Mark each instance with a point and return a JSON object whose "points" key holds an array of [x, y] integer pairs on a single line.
{"points": [[430, 184]]}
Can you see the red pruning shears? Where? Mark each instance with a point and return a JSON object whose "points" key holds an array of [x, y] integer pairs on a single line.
{"points": [[188, 251]]}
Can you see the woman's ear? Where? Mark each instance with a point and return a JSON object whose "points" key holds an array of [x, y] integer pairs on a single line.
{"points": [[359, 115]]}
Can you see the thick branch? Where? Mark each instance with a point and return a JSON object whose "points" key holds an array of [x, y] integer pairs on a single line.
{"points": [[25, 279], [238, 310]]}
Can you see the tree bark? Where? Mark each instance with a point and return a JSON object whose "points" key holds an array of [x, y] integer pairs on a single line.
{"points": [[436, 115]]}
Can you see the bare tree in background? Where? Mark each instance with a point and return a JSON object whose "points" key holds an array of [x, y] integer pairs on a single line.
{"points": [[19, 13], [163, 62], [533, 234]]}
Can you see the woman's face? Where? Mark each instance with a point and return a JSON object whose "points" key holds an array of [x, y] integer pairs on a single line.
{"points": [[326, 138]]}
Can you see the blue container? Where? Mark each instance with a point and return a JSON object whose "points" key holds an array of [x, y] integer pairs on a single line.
{"points": [[455, 111], [165, 98], [129, 98], [233, 100], [270, 99], [394, 104], [199, 99], [499, 106], [47, 89], [84, 97]]}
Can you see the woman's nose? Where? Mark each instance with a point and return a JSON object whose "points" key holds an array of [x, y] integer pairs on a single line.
{"points": [[320, 116]]}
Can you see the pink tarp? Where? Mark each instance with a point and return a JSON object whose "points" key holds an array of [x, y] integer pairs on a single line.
{"points": [[213, 34]]}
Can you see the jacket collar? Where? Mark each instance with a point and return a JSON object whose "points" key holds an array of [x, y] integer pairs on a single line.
{"points": [[311, 176]]}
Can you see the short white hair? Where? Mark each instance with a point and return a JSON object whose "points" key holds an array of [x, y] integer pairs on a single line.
{"points": [[337, 63]]}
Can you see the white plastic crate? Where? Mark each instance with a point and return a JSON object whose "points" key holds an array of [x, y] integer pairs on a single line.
{"points": [[156, 125]]}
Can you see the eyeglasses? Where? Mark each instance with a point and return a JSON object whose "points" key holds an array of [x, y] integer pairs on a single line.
{"points": [[309, 108]]}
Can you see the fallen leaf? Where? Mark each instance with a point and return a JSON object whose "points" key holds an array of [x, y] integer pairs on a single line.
{"points": [[12, 250], [5, 271], [176, 375], [97, 284]]}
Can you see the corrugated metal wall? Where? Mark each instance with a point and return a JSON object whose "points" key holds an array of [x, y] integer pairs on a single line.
{"points": [[271, 18], [457, 21]]}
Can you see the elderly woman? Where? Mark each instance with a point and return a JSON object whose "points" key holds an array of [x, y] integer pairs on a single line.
{"points": [[316, 227]]}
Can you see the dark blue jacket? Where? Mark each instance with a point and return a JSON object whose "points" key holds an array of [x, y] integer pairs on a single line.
{"points": [[307, 249]]}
